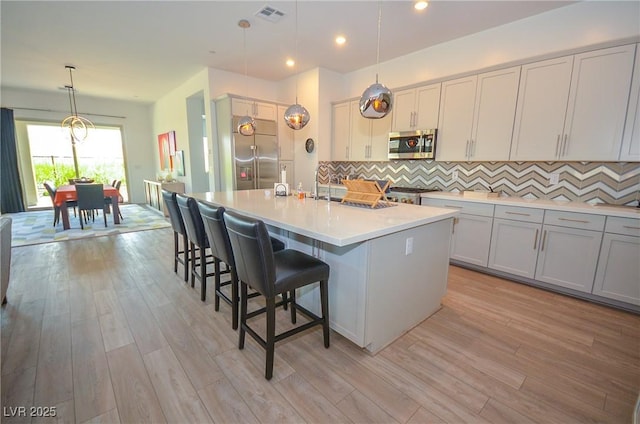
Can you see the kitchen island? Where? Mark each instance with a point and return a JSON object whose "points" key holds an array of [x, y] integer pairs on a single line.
{"points": [[389, 266]]}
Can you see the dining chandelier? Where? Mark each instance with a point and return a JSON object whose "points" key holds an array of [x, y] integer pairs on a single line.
{"points": [[78, 126], [296, 116], [246, 124], [376, 101]]}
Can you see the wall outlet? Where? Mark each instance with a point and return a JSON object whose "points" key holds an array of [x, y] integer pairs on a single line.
{"points": [[408, 249], [454, 175], [554, 178]]}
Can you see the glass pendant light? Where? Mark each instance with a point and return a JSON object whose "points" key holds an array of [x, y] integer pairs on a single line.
{"points": [[246, 124], [377, 100], [296, 116]]}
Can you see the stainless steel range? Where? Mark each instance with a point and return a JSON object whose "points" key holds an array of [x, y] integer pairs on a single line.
{"points": [[410, 195]]}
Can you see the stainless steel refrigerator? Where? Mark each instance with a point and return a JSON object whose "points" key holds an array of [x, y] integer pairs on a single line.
{"points": [[256, 156]]}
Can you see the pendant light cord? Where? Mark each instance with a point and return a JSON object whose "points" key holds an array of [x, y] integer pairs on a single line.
{"points": [[296, 53], [246, 75], [378, 48]]}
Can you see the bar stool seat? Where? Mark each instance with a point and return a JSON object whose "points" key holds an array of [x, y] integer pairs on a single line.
{"points": [[220, 246], [271, 274], [177, 225]]}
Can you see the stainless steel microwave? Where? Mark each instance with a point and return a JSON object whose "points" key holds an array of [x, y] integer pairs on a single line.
{"points": [[419, 144]]}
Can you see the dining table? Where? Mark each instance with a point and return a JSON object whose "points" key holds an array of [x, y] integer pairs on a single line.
{"points": [[66, 193]]}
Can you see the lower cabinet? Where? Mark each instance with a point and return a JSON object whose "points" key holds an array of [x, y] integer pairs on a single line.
{"points": [[568, 257], [153, 193], [618, 273], [515, 240], [471, 232]]}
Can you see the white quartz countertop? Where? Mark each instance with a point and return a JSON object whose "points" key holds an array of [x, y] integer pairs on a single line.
{"points": [[580, 207], [330, 222]]}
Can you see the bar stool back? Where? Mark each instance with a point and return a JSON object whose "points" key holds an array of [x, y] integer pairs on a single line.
{"points": [[177, 224], [272, 274]]}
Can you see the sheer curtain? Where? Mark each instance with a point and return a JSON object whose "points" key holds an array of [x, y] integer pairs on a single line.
{"points": [[11, 200]]}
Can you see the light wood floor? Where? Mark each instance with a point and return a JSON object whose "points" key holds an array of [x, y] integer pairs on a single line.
{"points": [[103, 330]]}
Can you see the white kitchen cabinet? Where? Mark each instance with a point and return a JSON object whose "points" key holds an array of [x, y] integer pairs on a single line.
{"points": [[416, 108], [471, 231], [574, 107], [356, 138], [258, 110], [476, 116], [618, 273], [569, 249], [515, 238], [631, 139], [286, 138], [341, 132]]}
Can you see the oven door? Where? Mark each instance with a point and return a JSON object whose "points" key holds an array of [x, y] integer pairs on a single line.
{"points": [[406, 145]]}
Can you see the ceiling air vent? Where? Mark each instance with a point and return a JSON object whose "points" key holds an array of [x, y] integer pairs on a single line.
{"points": [[270, 14]]}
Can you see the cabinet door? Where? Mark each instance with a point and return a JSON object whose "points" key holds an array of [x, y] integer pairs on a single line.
{"points": [[379, 143], [285, 137], [514, 246], [494, 112], [631, 138], [540, 112], [456, 118], [568, 257], [618, 275], [597, 106], [403, 110], [427, 106], [259, 110], [341, 132], [470, 239], [360, 134]]}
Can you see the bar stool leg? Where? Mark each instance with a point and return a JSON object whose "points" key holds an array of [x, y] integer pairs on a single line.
{"points": [[176, 249], [203, 273], [216, 270], [271, 336], [187, 262], [243, 314], [324, 302], [234, 299]]}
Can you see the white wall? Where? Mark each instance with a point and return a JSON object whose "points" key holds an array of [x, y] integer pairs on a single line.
{"points": [[577, 25], [136, 125]]}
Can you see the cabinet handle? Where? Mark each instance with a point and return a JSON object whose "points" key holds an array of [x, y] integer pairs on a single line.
{"points": [[346, 152], [517, 213], [564, 145], [453, 227], [466, 150], [535, 240], [581, 221], [451, 206], [472, 148], [558, 146], [412, 121], [630, 227], [544, 239]]}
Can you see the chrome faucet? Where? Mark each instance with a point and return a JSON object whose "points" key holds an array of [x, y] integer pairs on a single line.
{"points": [[317, 176]]}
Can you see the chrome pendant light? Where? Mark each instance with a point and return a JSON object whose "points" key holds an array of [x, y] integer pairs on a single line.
{"points": [[78, 125], [296, 116], [246, 124], [377, 100]]}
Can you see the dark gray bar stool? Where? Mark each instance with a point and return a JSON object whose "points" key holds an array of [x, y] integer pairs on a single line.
{"points": [[272, 274], [177, 224]]}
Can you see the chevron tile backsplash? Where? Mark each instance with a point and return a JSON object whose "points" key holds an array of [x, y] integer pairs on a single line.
{"points": [[593, 182]]}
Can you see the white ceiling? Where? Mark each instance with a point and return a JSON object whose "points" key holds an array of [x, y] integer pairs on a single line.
{"points": [[139, 50]]}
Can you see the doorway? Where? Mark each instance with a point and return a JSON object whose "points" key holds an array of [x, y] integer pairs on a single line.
{"points": [[46, 154]]}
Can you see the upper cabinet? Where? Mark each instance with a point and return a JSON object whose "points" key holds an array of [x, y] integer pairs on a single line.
{"points": [[259, 110], [341, 132], [476, 116], [631, 139], [574, 107], [356, 138], [285, 137], [416, 108]]}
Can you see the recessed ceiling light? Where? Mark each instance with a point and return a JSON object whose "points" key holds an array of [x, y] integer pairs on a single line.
{"points": [[420, 5], [290, 63], [340, 40]]}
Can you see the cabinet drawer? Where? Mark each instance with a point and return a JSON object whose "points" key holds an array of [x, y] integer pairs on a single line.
{"points": [[471, 208], [575, 220], [519, 214], [625, 226]]}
